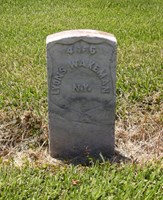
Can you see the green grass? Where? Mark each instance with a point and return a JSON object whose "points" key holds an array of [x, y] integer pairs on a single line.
{"points": [[100, 181], [24, 25]]}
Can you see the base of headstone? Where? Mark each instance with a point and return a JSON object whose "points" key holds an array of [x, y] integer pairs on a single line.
{"points": [[81, 141]]}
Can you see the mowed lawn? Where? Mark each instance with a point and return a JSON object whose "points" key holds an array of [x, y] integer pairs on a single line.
{"points": [[138, 27]]}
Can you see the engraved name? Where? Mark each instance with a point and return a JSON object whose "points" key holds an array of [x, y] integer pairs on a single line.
{"points": [[57, 80], [94, 67]]}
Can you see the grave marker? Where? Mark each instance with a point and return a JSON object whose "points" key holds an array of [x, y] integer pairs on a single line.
{"points": [[81, 66]]}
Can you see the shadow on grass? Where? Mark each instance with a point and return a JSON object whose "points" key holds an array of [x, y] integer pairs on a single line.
{"points": [[88, 160]]}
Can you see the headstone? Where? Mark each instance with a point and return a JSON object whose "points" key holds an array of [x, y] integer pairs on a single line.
{"points": [[81, 66]]}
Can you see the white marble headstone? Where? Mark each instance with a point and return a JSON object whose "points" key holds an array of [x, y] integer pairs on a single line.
{"points": [[81, 66]]}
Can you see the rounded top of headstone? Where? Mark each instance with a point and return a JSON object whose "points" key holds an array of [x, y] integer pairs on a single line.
{"points": [[80, 33]]}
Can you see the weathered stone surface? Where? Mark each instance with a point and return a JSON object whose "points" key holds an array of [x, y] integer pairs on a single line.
{"points": [[81, 67]]}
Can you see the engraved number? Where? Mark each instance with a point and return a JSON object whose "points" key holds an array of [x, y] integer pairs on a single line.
{"points": [[70, 50], [81, 49], [92, 49]]}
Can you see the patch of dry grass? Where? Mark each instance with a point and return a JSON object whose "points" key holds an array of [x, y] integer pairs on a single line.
{"points": [[140, 135], [24, 137], [22, 132]]}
